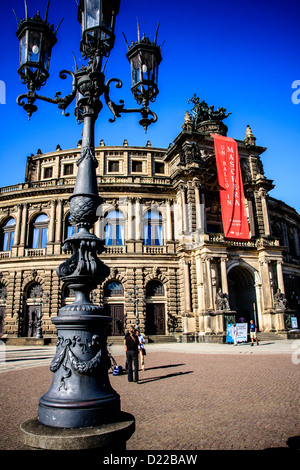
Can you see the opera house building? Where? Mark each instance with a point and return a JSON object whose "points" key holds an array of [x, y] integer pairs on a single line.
{"points": [[172, 266]]}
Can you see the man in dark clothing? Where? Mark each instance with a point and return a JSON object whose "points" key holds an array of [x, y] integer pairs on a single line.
{"points": [[131, 343]]}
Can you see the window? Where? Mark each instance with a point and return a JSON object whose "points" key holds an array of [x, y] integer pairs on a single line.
{"points": [[68, 169], [48, 172], [35, 291], [137, 166], [113, 289], [113, 166], [40, 232], [114, 228], [154, 288], [159, 167], [153, 229], [8, 235]]}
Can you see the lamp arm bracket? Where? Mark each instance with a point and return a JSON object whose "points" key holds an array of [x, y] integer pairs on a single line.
{"points": [[62, 103], [117, 109]]}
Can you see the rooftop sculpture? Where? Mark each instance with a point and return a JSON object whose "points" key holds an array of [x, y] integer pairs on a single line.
{"points": [[201, 112]]}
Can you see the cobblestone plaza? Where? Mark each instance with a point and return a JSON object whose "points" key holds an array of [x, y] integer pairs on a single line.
{"points": [[191, 397]]}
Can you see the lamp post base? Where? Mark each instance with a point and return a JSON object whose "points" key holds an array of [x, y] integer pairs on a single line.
{"points": [[107, 437]]}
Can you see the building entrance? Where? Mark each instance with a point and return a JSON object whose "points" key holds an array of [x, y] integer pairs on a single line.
{"points": [[32, 310], [155, 319], [242, 295], [116, 327], [30, 321]]}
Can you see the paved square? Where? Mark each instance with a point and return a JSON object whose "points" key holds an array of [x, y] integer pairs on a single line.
{"points": [[185, 401]]}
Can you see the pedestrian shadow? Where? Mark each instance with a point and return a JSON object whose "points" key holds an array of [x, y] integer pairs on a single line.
{"points": [[164, 367], [293, 443], [168, 376]]}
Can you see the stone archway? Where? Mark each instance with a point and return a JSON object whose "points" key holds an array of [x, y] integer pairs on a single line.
{"points": [[32, 311], [155, 323], [242, 293], [113, 303]]}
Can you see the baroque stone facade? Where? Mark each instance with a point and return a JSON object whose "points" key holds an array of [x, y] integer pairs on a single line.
{"points": [[161, 221]]}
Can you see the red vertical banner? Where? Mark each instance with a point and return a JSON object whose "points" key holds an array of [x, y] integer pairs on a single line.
{"points": [[233, 204]]}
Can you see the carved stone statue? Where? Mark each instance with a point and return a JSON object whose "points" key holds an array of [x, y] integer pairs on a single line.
{"points": [[222, 302], [280, 300]]}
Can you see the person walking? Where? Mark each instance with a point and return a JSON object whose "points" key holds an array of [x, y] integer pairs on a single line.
{"points": [[234, 334], [142, 350], [131, 343], [253, 333]]}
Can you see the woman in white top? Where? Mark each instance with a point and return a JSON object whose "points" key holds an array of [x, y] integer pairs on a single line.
{"points": [[142, 350]]}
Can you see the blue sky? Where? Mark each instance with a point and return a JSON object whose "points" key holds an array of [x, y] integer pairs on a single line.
{"points": [[241, 55]]}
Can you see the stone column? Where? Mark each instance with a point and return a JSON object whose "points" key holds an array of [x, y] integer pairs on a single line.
{"points": [[24, 228], [138, 218], [183, 210], [18, 225], [200, 284], [199, 207], [209, 283], [266, 285], [52, 222], [251, 216], [187, 287], [224, 279], [169, 231], [213, 269], [59, 225], [280, 276], [58, 237], [129, 219], [263, 195]]}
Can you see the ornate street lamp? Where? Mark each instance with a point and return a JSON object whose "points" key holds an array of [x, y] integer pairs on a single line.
{"points": [[133, 297], [80, 394], [36, 41], [40, 301], [97, 19], [144, 57]]}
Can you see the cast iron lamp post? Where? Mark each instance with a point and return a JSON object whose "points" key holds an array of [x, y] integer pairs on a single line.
{"points": [[40, 301], [80, 394], [134, 298]]}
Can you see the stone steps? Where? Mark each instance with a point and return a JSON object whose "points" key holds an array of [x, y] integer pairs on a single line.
{"points": [[22, 341], [148, 339]]}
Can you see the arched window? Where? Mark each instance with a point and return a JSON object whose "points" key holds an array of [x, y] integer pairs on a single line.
{"points": [[153, 234], [154, 288], [8, 235], [113, 289], [35, 290], [40, 231], [114, 229]]}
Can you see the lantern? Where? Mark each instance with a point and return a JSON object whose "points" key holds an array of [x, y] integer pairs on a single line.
{"points": [[36, 41], [144, 57], [97, 19]]}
